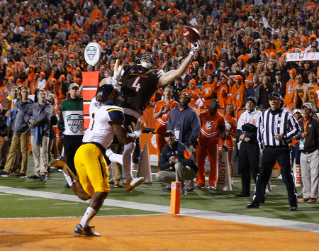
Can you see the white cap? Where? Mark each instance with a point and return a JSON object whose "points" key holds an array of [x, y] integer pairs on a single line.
{"points": [[296, 110], [73, 85]]}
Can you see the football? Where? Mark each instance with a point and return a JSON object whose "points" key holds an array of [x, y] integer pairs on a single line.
{"points": [[191, 34]]}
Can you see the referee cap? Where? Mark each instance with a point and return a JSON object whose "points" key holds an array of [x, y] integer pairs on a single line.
{"points": [[275, 95], [252, 99]]}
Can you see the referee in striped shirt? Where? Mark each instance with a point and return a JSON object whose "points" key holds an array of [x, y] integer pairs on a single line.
{"points": [[276, 128]]}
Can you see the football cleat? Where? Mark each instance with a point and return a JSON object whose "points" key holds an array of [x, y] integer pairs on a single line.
{"points": [[134, 183], [59, 162], [87, 231]]}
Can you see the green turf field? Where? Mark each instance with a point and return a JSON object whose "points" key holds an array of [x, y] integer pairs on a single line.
{"points": [[276, 205], [16, 206]]}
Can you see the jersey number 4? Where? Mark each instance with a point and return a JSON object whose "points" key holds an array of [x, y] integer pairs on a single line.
{"points": [[136, 84]]}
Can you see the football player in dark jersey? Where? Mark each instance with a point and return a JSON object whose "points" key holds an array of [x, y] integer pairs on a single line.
{"points": [[139, 82]]}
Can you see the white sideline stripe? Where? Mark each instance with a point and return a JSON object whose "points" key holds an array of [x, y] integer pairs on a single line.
{"points": [[68, 217], [261, 221]]}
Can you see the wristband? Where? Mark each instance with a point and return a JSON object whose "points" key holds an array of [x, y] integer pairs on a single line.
{"points": [[138, 133]]}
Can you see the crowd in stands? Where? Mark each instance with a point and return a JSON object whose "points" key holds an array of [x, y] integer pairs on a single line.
{"points": [[42, 45], [243, 53]]}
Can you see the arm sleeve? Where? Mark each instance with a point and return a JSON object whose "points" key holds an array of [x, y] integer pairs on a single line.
{"points": [[293, 128], [185, 156], [233, 131], [164, 160], [195, 128], [45, 115], [61, 122], [116, 113], [317, 133], [170, 122], [239, 123], [239, 132], [260, 131], [28, 114]]}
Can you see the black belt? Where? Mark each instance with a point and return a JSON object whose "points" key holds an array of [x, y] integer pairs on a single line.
{"points": [[308, 152]]}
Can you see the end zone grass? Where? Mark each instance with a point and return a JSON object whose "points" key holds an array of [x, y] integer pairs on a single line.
{"points": [[276, 205], [19, 206]]}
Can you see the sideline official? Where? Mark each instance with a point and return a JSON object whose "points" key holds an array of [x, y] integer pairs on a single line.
{"points": [[247, 127], [277, 127]]}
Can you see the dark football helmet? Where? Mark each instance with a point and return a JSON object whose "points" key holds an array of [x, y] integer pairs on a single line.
{"points": [[108, 95], [145, 60]]}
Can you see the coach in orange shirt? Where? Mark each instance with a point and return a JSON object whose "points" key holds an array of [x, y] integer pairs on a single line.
{"points": [[212, 127], [161, 114]]}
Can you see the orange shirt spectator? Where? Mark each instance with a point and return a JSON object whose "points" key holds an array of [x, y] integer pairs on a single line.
{"points": [[31, 73], [244, 56], [193, 91], [269, 51], [207, 91], [96, 13], [33, 87], [230, 133], [3, 92], [310, 6], [316, 94], [238, 93], [161, 121], [290, 89]]}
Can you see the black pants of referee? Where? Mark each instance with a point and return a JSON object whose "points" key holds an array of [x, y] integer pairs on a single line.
{"points": [[248, 164], [270, 155], [71, 145]]}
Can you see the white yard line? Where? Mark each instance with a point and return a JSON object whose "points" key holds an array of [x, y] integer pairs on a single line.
{"points": [[271, 222]]}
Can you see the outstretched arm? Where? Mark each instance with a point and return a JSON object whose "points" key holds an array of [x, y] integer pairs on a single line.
{"points": [[172, 75]]}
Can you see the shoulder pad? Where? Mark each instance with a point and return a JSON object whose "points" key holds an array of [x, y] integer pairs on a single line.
{"points": [[115, 113]]}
